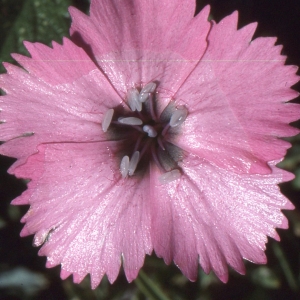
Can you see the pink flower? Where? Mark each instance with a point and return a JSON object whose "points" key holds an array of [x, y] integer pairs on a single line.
{"points": [[150, 130]]}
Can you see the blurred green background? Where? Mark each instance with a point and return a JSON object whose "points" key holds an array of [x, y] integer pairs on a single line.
{"points": [[22, 272]]}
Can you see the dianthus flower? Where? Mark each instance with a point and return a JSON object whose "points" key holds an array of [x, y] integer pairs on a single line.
{"points": [[151, 129]]}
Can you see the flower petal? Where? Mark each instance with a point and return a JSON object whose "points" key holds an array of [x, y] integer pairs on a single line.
{"points": [[147, 41], [236, 100], [95, 219], [60, 64], [36, 109], [217, 215]]}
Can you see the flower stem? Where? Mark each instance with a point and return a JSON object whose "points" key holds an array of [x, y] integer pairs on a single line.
{"points": [[149, 288], [292, 282]]}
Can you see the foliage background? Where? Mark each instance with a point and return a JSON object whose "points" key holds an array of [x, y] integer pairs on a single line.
{"points": [[22, 272]]}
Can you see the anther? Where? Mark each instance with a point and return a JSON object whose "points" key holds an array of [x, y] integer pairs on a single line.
{"points": [[178, 116], [169, 176], [133, 162], [148, 133], [130, 121], [143, 97], [149, 88], [133, 100], [124, 166], [150, 130], [107, 119], [146, 91]]}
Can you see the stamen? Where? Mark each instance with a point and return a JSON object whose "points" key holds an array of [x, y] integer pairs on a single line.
{"points": [[165, 130], [138, 128], [152, 112], [156, 159], [133, 162], [145, 147], [149, 88], [150, 130], [107, 119], [146, 91], [169, 176], [133, 100], [130, 121], [178, 116], [143, 97], [124, 166], [137, 144], [160, 143], [146, 131]]}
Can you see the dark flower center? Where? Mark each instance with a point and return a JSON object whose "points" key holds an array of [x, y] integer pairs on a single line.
{"points": [[143, 134]]}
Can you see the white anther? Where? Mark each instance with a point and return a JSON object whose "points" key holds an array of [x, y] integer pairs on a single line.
{"points": [[169, 176], [150, 130], [107, 119], [143, 97], [178, 116], [131, 104], [146, 91], [149, 88], [124, 166], [133, 162], [133, 100], [130, 121]]}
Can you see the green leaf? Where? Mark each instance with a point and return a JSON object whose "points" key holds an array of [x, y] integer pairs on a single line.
{"points": [[35, 21], [266, 278]]}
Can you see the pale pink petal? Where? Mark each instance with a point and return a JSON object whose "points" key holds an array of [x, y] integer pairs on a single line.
{"points": [[217, 215], [226, 202], [236, 100], [64, 274], [94, 218], [60, 64], [147, 41], [35, 111]]}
